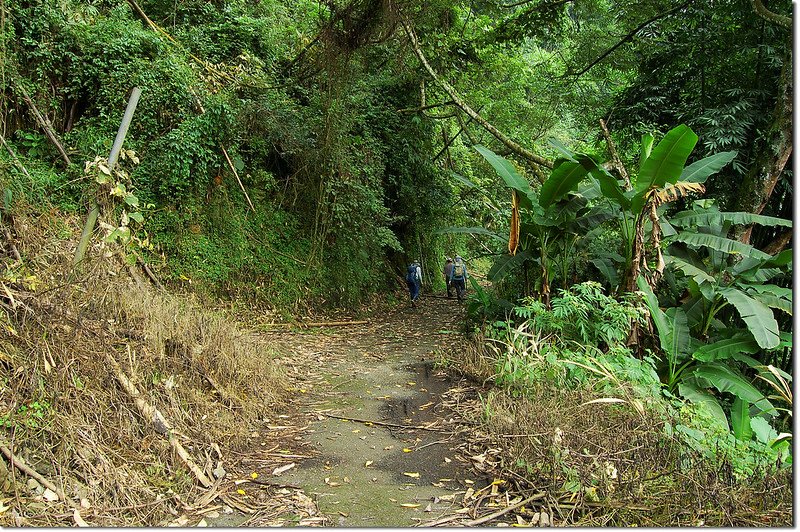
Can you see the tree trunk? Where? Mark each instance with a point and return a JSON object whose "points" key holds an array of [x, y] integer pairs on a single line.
{"points": [[773, 153]]}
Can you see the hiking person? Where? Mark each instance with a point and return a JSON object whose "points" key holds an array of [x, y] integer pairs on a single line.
{"points": [[458, 277], [414, 281], [448, 269]]}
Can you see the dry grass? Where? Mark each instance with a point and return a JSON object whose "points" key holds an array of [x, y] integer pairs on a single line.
{"points": [[609, 464], [63, 411]]}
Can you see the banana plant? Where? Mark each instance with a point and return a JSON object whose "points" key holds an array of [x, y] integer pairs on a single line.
{"points": [[694, 366], [662, 177]]}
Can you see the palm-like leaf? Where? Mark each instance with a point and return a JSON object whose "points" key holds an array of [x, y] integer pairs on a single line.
{"points": [[508, 173], [695, 219], [505, 264], [699, 171], [725, 379], [757, 316], [718, 243], [724, 349]]}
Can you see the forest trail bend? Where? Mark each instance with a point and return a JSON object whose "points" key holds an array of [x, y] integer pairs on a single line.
{"points": [[376, 443]]}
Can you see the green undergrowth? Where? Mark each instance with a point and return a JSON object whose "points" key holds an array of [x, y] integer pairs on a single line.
{"points": [[603, 428]]}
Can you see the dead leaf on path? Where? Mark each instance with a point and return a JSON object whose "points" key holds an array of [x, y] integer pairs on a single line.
{"points": [[407, 450], [49, 495], [202, 524], [182, 521], [447, 460], [464, 511], [76, 516], [278, 470], [467, 481], [368, 463], [412, 475], [410, 505], [469, 493], [428, 508]]}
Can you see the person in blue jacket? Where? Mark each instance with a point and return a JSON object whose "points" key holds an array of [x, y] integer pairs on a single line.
{"points": [[414, 281], [459, 276]]}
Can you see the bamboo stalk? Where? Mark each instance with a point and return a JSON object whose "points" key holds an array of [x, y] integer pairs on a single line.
{"points": [[15, 462], [235, 173], [160, 424]]}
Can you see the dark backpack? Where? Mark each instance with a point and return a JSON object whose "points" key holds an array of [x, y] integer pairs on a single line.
{"points": [[458, 270], [411, 274]]}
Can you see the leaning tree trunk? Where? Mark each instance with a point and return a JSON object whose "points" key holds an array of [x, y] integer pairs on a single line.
{"points": [[773, 153]]}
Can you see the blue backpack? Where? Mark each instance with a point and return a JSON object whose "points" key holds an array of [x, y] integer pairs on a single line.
{"points": [[411, 274]]}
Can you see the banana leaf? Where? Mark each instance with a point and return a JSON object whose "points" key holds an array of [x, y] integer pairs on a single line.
{"points": [[505, 264], [725, 349], [699, 396], [665, 163], [688, 269], [756, 315], [562, 180], [509, 174], [718, 243], [699, 171], [694, 219], [725, 379]]}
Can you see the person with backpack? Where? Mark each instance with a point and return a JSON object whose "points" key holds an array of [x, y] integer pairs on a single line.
{"points": [[448, 268], [414, 281], [458, 277]]}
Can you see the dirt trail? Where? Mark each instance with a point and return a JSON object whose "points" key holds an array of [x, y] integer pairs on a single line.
{"points": [[383, 449]]}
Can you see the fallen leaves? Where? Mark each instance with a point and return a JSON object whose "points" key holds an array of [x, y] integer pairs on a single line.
{"points": [[412, 475]]}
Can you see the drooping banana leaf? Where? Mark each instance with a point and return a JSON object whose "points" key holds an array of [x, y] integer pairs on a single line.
{"points": [[724, 349], [756, 315], [607, 268], [699, 171], [509, 174], [725, 379], [773, 301], [463, 180], [562, 149], [688, 269], [724, 245], [609, 186], [694, 219], [564, 178], [699, 396], [505, 264]]}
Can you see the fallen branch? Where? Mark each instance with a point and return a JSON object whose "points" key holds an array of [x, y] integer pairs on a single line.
{"points": [[160, 424], [14, 158], [31, 472], [10, 241], [495, 515], [384, 423], [319, 324], [44, 122]]}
